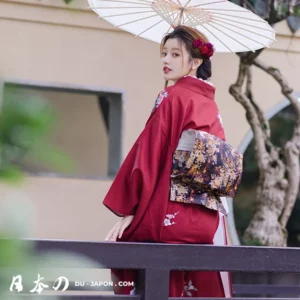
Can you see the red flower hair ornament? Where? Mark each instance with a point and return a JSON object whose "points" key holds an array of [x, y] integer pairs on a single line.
{"points": [[206, 49]]}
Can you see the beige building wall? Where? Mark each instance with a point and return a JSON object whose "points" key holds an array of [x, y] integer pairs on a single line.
{"points": [[49, 42]]}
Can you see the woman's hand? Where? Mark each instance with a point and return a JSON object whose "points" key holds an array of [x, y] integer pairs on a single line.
{"points": [[118, 229]]}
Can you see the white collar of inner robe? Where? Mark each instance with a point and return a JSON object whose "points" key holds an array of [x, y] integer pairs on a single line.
{"points": [[206, 81]]}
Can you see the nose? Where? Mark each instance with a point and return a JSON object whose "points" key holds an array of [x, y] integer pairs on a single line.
{"points": [[166, 60]]}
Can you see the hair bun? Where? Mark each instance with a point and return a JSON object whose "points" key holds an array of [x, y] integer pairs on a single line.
{"points": [[204, 70]]}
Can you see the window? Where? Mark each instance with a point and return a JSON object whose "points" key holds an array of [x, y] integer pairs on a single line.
{"points": [[87, 129]]}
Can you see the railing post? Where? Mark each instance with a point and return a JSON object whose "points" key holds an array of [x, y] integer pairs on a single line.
{"points": [[153, 284]]}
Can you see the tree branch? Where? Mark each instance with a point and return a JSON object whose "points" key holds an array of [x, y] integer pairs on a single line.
{"points": [[263, 121], [272, 12], [248, 57], [287, 91], [236, 91]]}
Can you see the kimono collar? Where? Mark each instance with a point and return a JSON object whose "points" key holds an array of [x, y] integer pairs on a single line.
{"points": [[197, 85]]}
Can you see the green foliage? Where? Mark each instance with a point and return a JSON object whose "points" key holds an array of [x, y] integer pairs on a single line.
{"points": [[68, 1], [17, 257], [13, 255], [24, 123]]}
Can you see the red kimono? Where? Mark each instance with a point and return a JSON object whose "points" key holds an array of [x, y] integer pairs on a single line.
{"points": [[142, 185]]}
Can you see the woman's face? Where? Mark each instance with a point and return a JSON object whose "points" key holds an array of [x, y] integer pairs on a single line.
{"points": [[176, 61]]}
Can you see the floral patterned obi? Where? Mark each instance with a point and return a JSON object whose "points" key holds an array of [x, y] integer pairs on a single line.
{"points": [[212, 169]]}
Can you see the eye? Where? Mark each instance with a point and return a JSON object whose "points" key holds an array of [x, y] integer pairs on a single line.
{"points": [[175, 54], [163, 54]]}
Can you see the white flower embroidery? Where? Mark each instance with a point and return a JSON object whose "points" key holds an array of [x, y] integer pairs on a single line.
{"points": [[219, 116], [162, 95], [189, 288], [167, 221]]}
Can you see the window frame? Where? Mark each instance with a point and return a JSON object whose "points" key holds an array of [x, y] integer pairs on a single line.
{"points": [[114, 96]]}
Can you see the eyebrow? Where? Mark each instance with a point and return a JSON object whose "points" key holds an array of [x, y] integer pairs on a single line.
{"points": [[172, 48]]}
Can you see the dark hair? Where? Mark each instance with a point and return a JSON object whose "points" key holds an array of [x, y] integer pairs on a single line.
{"points": [[187, 35]]}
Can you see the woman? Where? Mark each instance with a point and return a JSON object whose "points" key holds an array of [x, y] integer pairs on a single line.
{"points": [[140, 192]]}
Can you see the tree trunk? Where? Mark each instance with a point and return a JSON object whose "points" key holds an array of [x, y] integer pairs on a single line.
{"points": [[279, 167], [265, 228]]}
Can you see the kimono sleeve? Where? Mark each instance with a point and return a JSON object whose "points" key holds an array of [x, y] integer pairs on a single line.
{"points": [[141, 169]]}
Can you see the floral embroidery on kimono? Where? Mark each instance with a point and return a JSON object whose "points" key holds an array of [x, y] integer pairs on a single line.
{"points": [[189, 287], [167, 221], [221, 121], [162, 95]]}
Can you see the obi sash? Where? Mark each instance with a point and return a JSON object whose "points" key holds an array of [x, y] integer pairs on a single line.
{"points": [[205, 168]]}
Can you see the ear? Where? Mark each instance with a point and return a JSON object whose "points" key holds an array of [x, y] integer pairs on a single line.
{"points": [[196, 63]]}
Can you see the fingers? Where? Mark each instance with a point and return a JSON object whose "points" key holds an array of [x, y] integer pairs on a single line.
{"points": [[122, 228], [125, 224], [111, 232], [118, 229], [115, 233], [108, 236]]}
